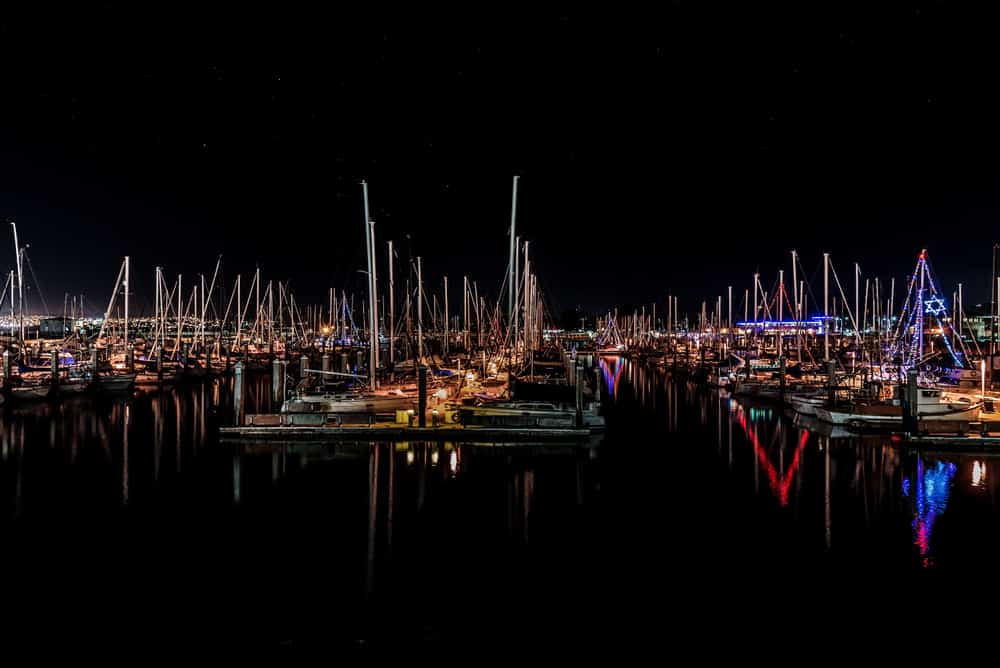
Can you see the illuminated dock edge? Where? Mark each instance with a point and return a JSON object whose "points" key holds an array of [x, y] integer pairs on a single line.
{"points": [[395, 433]]}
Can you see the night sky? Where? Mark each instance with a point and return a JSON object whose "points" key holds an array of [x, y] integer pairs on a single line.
{"points": [[668, 152]]}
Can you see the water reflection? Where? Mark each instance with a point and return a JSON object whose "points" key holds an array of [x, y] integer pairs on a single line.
{"points": [[930, 491], [145, 475], [835, 492]]}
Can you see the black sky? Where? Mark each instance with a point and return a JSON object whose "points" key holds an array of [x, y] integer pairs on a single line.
{"points": [[671, 151]]}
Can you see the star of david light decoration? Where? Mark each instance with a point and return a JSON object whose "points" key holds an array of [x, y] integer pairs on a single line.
{"points": [[935, 306]]}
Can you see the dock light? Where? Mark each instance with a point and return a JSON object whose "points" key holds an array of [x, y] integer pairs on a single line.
{"points": [[409, 456], [326, 331], [434, 458]]}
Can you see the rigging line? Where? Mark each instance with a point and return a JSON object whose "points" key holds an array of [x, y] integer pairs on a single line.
{"points": [[41, 295]]}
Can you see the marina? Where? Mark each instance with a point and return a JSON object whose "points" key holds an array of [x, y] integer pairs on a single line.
{"points": [[344, 333]]}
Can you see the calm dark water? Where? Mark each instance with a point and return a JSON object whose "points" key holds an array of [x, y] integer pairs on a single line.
{"points": [[127, 527]]}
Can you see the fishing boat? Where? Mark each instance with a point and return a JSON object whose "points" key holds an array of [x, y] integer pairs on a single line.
{"points": [[932, 404]]}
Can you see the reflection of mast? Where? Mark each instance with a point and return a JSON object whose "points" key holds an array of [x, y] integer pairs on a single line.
{"points": [[236, 477], [392, 485], [157, 436], [827, 524], [177, 429], [372, 513], [125, 456]]}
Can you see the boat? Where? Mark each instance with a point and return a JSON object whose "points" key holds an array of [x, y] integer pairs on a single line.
{"points": [[932, 405], [528, 414], [348, 402], [116, 382], [806, 403]]}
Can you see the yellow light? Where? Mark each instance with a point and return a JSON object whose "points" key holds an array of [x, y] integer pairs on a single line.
{"points": [[409, 456], [326, 330], [434, 458]]}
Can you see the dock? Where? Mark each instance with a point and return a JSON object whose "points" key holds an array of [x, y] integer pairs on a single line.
{"points": [[393, 432], [954, 443]]}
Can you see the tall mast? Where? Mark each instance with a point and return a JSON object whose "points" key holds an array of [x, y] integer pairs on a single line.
{"points": [[156, 299], [392, 311], [125, 286], [513, 254], [781, 310], [826, 308], [239, 308], [201, 309], [256, 313], [465, 313], [372, 299], [270, 315], [445, 315], [180, 316], [526, 288], [920, 306], [797, 317], [857, 313], [20, 287], [420, 310]]}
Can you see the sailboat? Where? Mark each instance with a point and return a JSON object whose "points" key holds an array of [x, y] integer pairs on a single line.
{"points": [[114, 374]]}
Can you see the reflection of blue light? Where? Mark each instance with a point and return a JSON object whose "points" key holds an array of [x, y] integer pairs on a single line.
{"points": [[906, 486], [933, 490]]}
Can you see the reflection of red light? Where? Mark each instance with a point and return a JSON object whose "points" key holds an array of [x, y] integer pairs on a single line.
{"points": [[921, 256], [779, 483]]}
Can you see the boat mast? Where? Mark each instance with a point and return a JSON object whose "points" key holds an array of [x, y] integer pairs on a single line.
{"points": [[781, 310], [857, 312], [826, 307], [795, 308], [445, 315], [373, 291], [180, 316], [256, 313], [392, 311], [513, 254], [420, 310], [526, 289], [920, 307], [20, 288], [372, 299], [156, 307]]}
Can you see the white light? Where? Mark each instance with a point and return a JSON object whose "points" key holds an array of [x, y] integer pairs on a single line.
{"points": [[978, 473]]}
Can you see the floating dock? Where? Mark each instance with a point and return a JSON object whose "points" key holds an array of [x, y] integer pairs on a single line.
{"points": [[944, 443], [394, 432]]}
